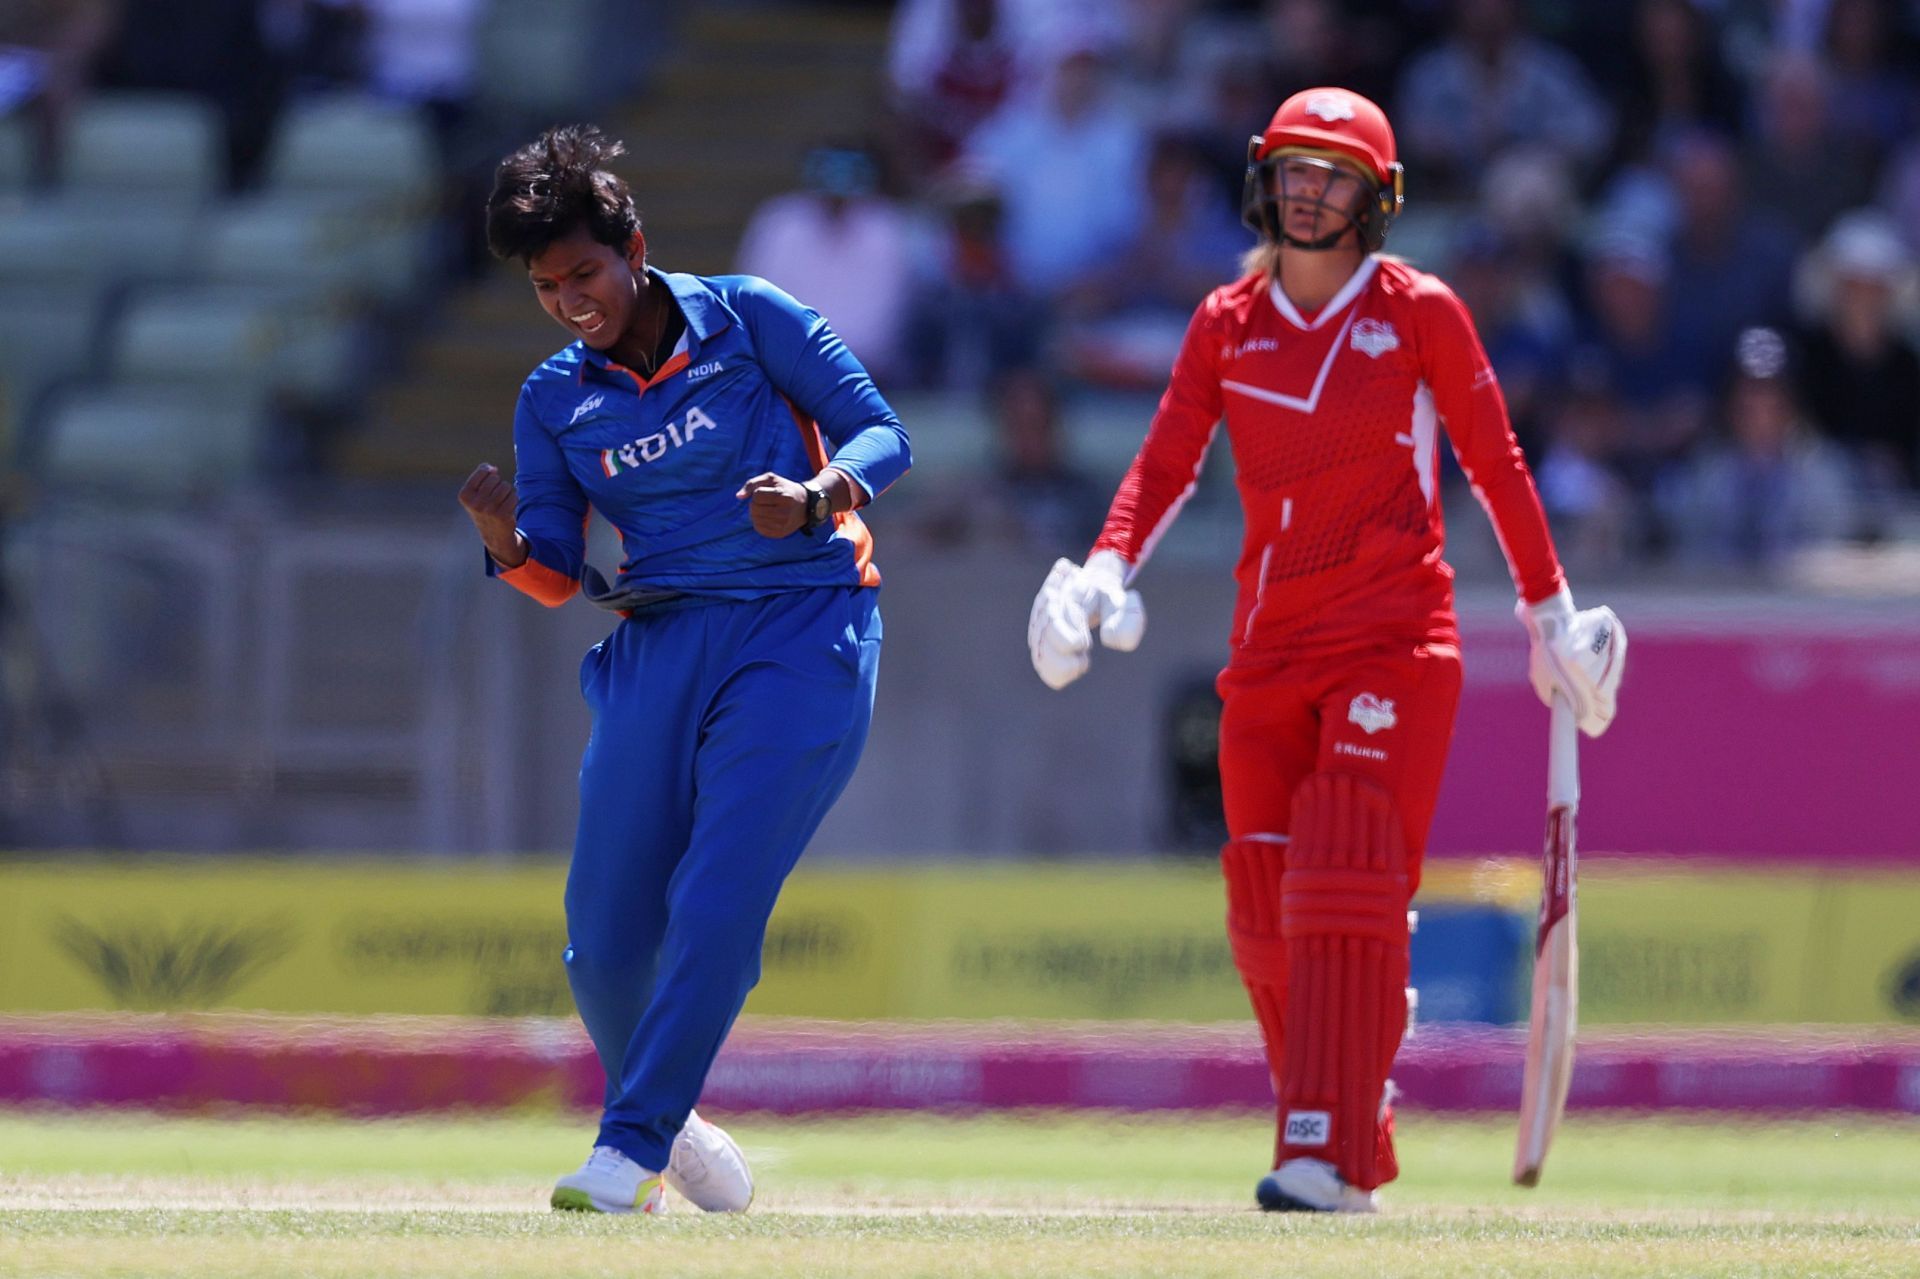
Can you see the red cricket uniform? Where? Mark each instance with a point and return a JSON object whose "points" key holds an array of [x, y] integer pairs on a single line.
{"points": [[1344, 673], [1335, 424]]}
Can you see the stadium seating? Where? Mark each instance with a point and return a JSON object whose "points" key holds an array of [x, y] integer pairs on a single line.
{"points": [[148, 142], [352, 147], [47, 333], [72, 238], [158, 441], [531, 53], [228, 337], [311, 250], [190, 335], [33, 242], [16, 155], [201, 307]]}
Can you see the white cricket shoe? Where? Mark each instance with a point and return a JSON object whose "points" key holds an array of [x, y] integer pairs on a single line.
{"points": [[1311, 1185], [609, 1182], [707, 1169]]}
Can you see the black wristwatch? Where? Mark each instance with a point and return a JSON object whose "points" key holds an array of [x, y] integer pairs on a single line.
{"points": [[819, 505]]}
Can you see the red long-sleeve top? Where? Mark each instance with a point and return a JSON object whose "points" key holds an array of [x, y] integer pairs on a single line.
{"points": [[1334, 422]]}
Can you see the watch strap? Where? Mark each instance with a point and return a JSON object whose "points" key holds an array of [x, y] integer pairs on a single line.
{"points": [[819, 505]]}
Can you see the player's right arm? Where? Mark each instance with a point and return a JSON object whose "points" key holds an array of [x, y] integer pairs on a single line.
{"points": [[1165, 469], [534, 529], [1076, 598]]}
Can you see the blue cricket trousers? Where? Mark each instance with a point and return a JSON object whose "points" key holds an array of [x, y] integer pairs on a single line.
{"points": [[722, 734]]}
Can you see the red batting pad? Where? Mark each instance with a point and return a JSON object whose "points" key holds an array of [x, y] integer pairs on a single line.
{"points": [[1343, 916], [1254, 871]]}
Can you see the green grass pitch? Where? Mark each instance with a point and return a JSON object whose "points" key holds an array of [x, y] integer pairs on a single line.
{"points": [[1045, 1195]]}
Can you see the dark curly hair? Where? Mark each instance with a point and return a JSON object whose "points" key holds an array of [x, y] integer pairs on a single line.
{"points": [[555, 184]]}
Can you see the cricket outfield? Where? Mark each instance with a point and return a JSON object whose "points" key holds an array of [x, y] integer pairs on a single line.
{"points": [[101, 1193]]}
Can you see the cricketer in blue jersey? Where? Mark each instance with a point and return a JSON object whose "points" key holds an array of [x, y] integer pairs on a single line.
{"points": [[729, 435]]}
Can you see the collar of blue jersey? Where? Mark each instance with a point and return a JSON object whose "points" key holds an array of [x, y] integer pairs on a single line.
{"points": [[702, 308]]}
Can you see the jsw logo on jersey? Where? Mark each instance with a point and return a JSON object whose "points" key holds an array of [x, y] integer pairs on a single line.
{"points": [[651, 448], [587, 406]]}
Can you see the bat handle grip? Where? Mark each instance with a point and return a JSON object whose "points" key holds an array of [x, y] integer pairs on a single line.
{"points": [[1563, 756]]}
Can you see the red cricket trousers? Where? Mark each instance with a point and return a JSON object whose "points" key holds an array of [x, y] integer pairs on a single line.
{"points": [[1385, 715]]}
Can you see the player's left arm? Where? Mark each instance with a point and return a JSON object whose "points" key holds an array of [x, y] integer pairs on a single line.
{"points": [[1474, 412], [809, 364], [1578, 654]]}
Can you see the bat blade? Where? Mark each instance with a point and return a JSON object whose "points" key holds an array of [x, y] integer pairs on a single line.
{"points": [[1556, 960]]}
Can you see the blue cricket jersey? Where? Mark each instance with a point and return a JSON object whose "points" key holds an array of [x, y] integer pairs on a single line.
{"points": [[755, 384]]}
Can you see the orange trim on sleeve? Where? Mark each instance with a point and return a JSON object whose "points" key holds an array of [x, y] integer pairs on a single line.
{"points": [[550, 586], [810, 437], [847, 524]]}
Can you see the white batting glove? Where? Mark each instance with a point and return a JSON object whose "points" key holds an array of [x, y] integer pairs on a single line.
{"points": [[1102, 589], [1580, 655], [1073, 600], [1057, 638]]}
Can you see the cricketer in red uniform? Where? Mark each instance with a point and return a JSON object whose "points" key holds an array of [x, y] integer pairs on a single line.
{"points": [[1335, 370]]}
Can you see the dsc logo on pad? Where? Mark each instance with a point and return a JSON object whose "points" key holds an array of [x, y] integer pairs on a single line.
{"points": [[1308, 1128]]}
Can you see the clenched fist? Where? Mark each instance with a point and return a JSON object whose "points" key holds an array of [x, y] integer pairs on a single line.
{"points": [[776, 505], [490, 503]]}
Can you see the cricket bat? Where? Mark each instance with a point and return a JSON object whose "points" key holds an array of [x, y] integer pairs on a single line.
{"points": [[1556, 957]]}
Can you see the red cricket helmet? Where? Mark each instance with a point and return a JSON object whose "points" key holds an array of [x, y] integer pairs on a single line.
{"points": [[1337, 120]]}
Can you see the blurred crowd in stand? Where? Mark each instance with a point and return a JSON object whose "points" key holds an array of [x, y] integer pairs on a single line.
{"points": [[1687, 229], [250, 58], [222, 222]]}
